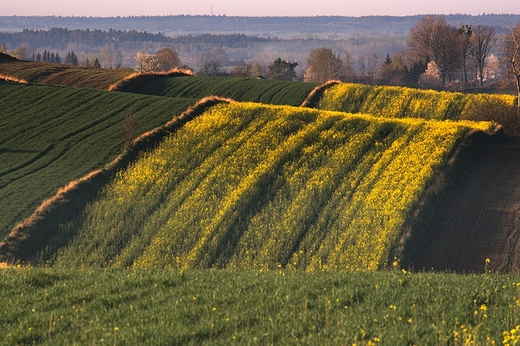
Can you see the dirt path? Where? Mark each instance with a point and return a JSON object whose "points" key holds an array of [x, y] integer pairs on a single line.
{"points": [[479, 217]]}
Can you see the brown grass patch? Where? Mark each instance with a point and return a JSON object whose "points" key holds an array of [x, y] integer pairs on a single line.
{"points": [[12, 79], [135, 80], [315, 95]]}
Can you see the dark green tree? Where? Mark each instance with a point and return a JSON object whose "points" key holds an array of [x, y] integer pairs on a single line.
{"points": [[71, 59]]}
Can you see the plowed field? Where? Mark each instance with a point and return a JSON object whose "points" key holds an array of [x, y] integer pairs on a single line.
{"points": [[479, 217]]}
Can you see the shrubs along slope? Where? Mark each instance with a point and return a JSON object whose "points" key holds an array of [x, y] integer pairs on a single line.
{"points": [[239, 89], [50, 135], [254, 186]]}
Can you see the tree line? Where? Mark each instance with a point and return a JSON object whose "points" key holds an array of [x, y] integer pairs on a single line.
{"points": [[436, 54]]}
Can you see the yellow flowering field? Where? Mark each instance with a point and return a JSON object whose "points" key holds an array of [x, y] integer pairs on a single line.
{"points": [[400, 102], [257, 186]]}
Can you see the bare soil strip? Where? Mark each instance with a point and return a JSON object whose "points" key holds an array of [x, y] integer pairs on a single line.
{"points": [[479, 218]]}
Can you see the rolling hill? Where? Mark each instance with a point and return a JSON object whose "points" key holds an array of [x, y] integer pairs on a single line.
{"points": [[254, 186], [78, 131], [239, 89], [52, 135]]}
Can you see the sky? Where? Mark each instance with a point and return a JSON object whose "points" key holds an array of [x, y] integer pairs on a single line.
{"points": [[356, 8]]}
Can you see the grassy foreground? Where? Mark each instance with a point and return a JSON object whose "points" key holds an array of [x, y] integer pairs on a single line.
{"points": [[237, 307]]}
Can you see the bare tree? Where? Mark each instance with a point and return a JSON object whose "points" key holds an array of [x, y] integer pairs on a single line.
{"points": [[167, 59], [242, 70], [464, 40], [511, 52], [211, 68], [322, 65], [482, 41], [130, 126], [347, 67], [433, 39]]}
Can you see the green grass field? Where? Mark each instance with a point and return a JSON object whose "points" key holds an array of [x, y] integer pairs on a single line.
{"points": [[51, 135], [239, 89], [241, 307]]}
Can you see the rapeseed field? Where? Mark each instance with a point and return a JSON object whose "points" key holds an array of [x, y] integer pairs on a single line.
{"points": [[401, 102], [264, 187]]}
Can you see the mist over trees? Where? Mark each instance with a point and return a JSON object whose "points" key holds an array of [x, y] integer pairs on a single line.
{"points": [[432, 52]]}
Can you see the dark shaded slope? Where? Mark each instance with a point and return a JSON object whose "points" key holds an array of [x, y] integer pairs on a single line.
{"points": [[479, 218]]}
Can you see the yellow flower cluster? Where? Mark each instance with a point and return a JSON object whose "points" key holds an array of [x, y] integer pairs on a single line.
{"points": [[511, 337]]}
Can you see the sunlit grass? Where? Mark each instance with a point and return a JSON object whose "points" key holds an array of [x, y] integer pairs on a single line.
{"points": [[244, 307]]}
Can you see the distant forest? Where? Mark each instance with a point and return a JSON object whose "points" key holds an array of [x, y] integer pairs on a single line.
{"points": [[283, 27], [114, 41], [118, 48]]}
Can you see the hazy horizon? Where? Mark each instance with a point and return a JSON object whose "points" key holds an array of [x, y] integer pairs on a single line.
{"points": [[124, 8]]}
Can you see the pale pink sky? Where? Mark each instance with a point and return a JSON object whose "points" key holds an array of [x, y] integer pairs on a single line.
{"points": [[110, 8]]}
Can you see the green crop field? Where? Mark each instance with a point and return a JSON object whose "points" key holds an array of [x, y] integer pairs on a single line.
{"points": [[57, 74], [51, 135], [241, 307], [255, 186], [239, 89]]}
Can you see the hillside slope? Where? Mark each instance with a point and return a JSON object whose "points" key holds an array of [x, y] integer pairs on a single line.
{"points": [[50, 135], [58, 74], [479, 218], [255, 186]]}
